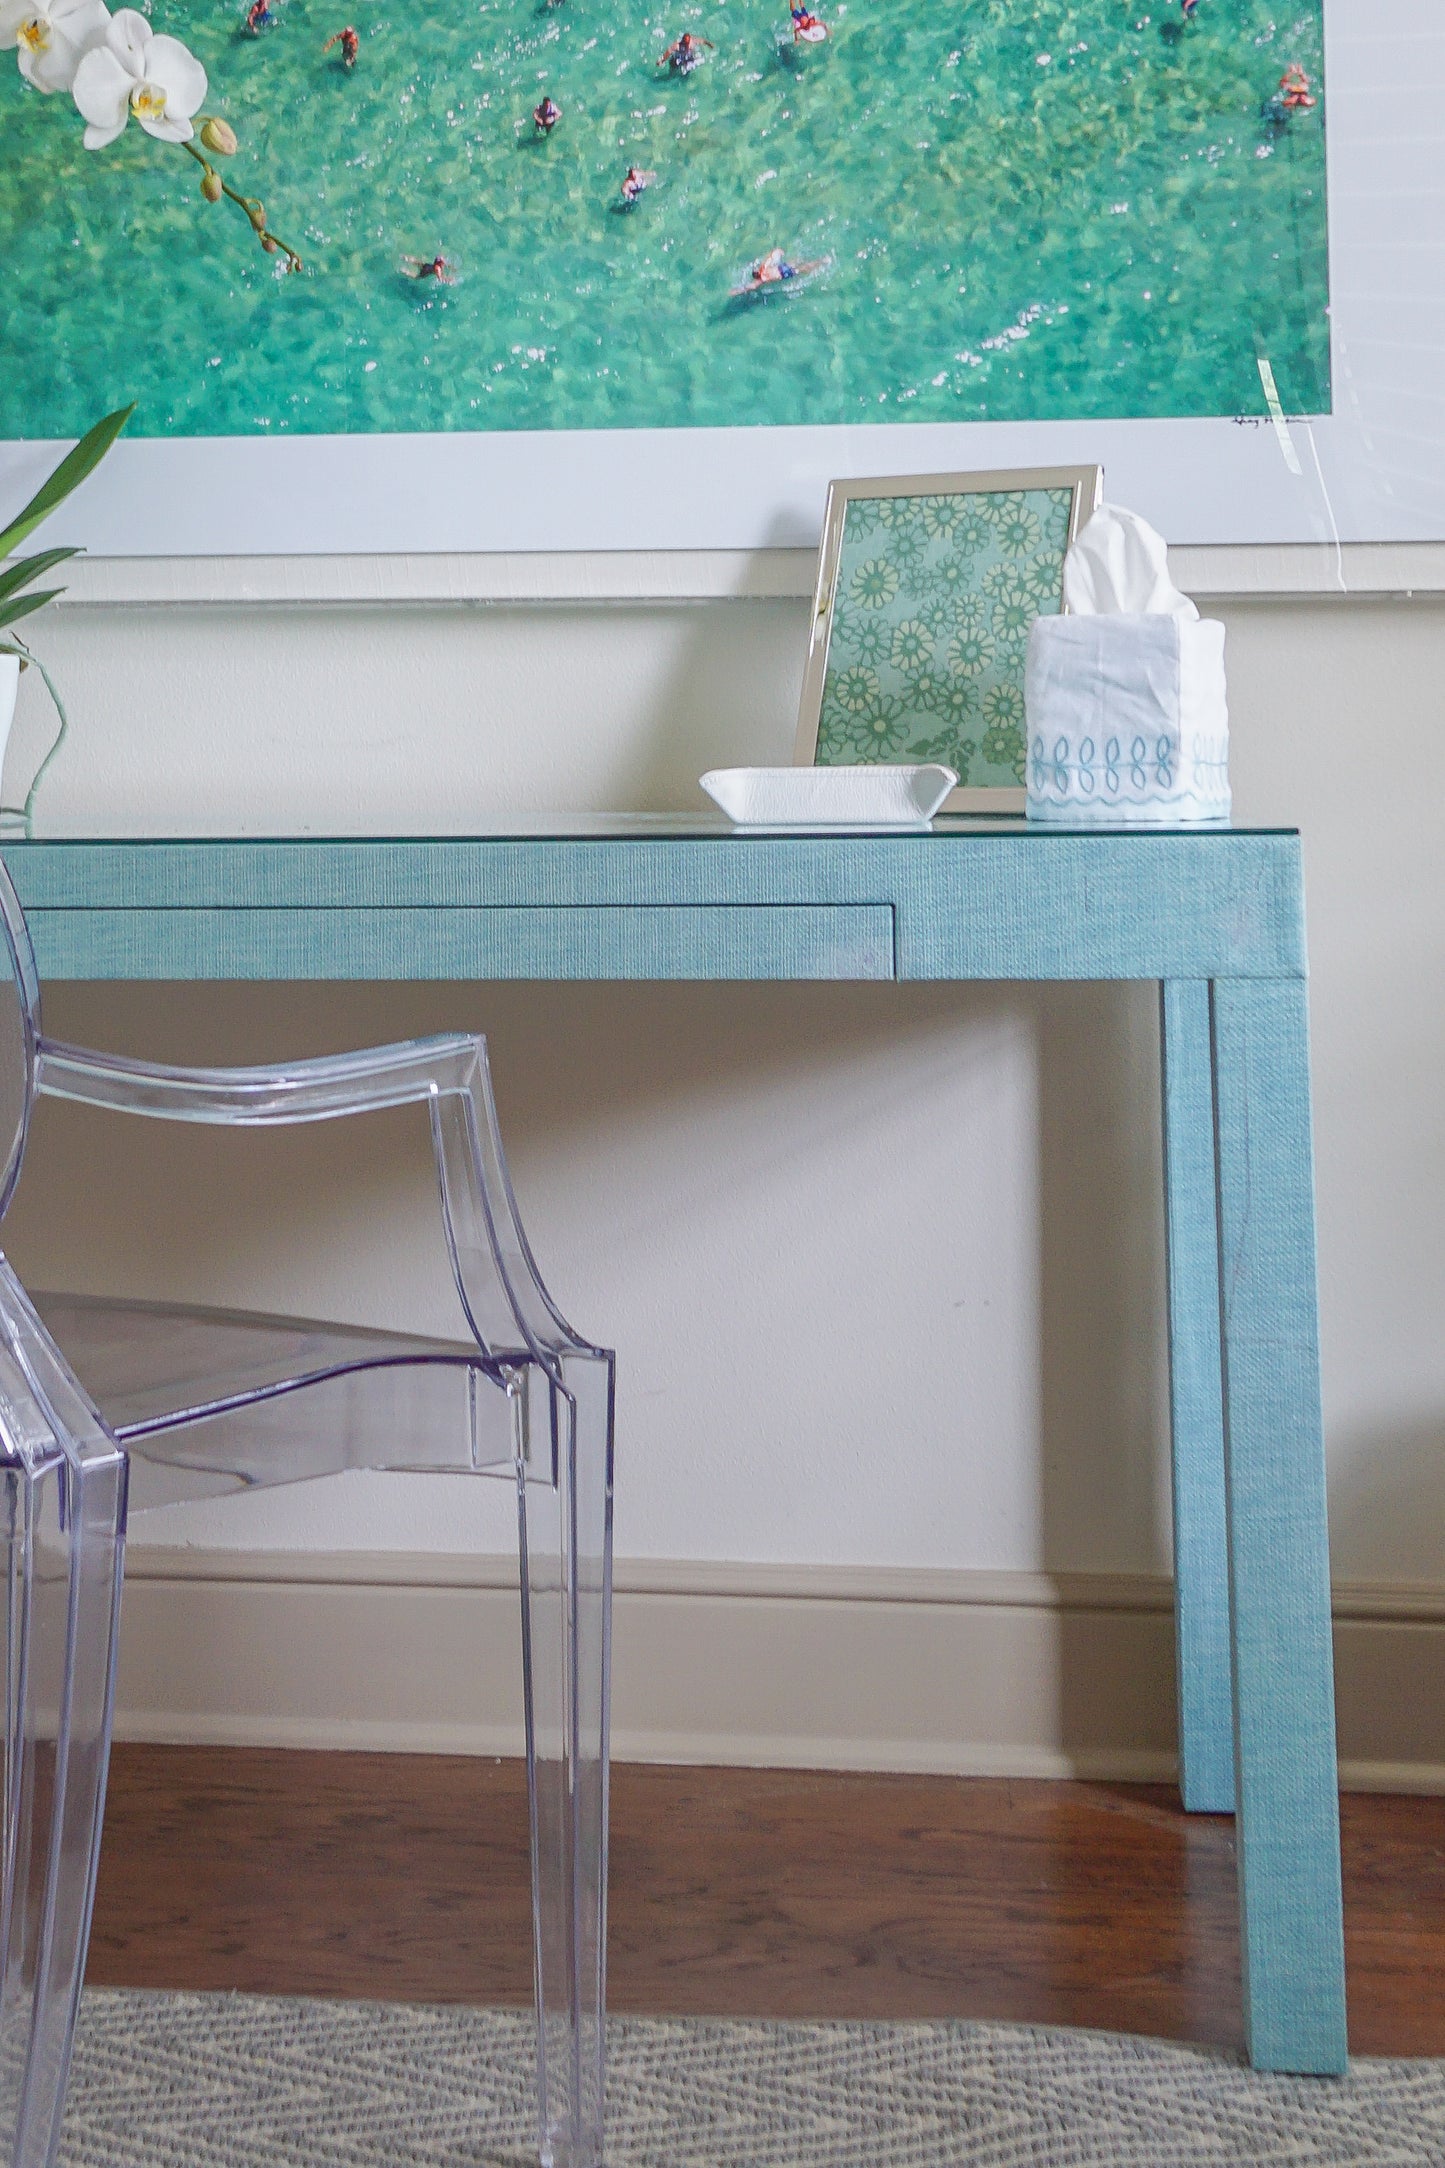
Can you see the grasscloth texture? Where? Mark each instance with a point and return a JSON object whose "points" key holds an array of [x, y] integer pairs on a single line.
{"points": [[218, 2081]]}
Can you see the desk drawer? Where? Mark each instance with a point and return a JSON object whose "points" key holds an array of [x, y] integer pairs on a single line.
{"points": [[535, 941]]}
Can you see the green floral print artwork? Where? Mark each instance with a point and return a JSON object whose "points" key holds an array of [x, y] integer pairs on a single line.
{"points": [[931, 613], [912, 648], [870, 640], [1003, 706], [874, 584], [1014, 610], [936, 612], [969, 651], [1003, 748], [857, 690], [974, 530], [1018, 528], [953, 576]]}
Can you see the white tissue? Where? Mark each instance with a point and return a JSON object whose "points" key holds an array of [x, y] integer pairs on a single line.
{"points": [[1124, 695], [1118, 563]]}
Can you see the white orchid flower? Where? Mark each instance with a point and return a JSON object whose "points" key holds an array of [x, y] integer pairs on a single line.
{"points": [[134, 71], [50, 37]]}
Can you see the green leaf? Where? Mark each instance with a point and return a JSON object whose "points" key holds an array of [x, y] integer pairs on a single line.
{"points": [[72, 471], [26, 569], [12, 612]]}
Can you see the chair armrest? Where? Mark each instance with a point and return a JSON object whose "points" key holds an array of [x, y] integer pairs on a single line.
{"points": [[497, 1278], [318, 1090]]}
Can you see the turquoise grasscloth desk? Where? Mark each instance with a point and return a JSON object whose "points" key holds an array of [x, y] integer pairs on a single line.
{"points": [[1215, 916]]}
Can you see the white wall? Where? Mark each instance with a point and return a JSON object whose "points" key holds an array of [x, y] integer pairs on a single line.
{"points": [[882, 1264]]}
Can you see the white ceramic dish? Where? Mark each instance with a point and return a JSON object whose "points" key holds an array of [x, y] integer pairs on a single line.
{"points": [[884, 797]]}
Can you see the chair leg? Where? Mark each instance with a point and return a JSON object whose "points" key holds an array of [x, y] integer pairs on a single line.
{"points": [[565, 1512], [66, 1528], [1292, 1937], [1196, 1405]]}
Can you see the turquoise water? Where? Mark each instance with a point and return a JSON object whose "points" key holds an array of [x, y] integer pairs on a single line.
{"points": [[1032, 211]]}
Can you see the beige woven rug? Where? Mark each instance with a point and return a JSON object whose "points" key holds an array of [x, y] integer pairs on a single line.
{"points": [[243, 2081]]}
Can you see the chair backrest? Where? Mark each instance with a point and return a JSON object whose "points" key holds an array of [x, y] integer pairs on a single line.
{"points": [[19, 1034]]}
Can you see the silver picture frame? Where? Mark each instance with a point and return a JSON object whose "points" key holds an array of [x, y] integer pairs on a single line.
{"points": [[872, 710]]}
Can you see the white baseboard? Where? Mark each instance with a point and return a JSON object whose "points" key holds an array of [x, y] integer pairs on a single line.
{"points": [[788, 1666]]}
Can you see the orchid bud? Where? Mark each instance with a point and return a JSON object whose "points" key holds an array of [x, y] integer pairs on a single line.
{"points": [[256, 212], [211, 186], [268, 244], [219, 136]]}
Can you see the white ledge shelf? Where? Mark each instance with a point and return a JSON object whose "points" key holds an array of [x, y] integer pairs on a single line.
{"points": [[1261, 571]]}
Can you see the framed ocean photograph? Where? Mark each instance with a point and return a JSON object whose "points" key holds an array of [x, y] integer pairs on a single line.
{"points": [[927, 587], [551, 275]]}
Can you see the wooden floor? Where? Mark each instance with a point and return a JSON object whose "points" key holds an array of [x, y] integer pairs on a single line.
{"points": [[758, 1892]]}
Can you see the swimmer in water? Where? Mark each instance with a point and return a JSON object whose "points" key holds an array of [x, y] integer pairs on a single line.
{"points": [[1187, 8], [546, 116], [808, 26], [259, 17], [772, 268], [686, 54], [427, 267], [350, 45], [634, 180], [1294, 89]]}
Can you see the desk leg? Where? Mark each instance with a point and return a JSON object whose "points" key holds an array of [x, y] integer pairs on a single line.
{"points": [[1292, 1943], [1196, 1404]]}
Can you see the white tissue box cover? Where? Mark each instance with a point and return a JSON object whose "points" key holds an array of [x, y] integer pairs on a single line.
{"points": [[883, 797], [1127, 720]]}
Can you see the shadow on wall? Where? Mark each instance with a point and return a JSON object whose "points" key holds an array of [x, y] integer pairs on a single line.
{"points": [[1387, 1502], [759, 645], [1387, 1521], [1102, 1323], [1103, 1352], [710, 651]]}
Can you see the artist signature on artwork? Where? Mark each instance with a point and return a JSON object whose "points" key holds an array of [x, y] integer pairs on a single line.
{"points": [[1264, 421]]}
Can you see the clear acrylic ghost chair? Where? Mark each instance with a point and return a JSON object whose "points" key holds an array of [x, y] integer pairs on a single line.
{"points": [[102, 1401]]}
